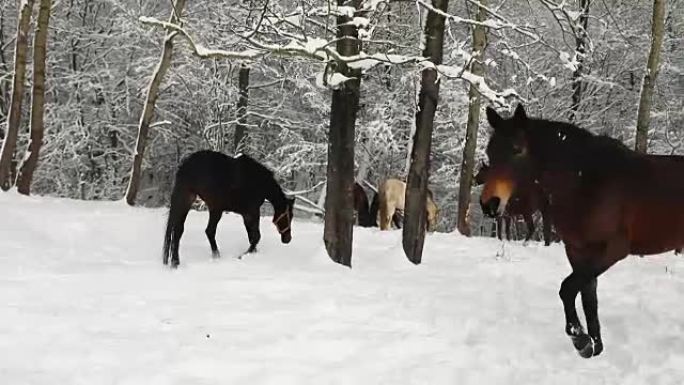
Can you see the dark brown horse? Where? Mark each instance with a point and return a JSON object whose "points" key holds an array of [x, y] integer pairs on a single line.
{"points": [[362, 207], [527, 200], [240, 185], [606, 202]]}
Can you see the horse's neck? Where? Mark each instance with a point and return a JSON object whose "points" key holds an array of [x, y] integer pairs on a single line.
{"points": [[274, 193]]}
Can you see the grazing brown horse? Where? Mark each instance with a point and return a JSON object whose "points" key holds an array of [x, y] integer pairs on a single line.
{"points": [[606, 202], [528, 199], [361, 207], [240, 185], [391, 194]]}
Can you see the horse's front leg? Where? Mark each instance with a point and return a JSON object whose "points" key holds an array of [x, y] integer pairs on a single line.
{"points": [[252, 226], [529, 221], [590, 305], [569, 289]]}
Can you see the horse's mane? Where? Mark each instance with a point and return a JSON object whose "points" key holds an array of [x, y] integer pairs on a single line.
{"points": [[581, 148], [254, 166]]}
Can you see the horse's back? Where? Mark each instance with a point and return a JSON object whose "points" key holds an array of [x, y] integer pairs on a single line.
{"points": [[215, 177], [393, 190]]}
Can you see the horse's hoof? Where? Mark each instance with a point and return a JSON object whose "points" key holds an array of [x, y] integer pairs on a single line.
{"points": [[174, 264], [598, 347], [584, 345], [216, 255]]}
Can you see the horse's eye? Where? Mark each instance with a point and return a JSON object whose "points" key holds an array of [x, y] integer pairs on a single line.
{"points": [[518, 150]]}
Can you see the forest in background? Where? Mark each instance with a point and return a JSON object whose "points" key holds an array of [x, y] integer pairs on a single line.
{"points": [[101, 56]]}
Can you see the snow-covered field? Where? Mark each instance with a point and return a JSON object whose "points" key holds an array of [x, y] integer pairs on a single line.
{"points": [[84, 299]]}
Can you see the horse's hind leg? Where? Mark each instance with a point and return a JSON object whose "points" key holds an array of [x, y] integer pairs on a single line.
{"points": [[499, 228], [214, 218], [386, 213], [252, 226], [177, 234]]}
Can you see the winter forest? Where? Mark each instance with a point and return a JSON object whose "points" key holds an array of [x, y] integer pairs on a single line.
{"points": [[101, 101]]}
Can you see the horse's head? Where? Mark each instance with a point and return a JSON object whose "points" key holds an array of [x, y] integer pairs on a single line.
{"points": [[432, 212], [508, 154], [282, 219]]}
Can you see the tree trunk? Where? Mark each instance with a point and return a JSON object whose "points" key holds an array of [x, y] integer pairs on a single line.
{"points": [[339, 202], [468, 162], [150, 101], [241, 126], [647, 85], [28, 167], [14, 118], [581, 52], [418, 174]]}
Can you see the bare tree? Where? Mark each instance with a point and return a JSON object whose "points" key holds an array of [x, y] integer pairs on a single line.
{"points": [[150, 101], [648, 83], [474, 102], [581, 37], [416, 183], [30, 162], [339, 198], [14, 119], [243, 100]]}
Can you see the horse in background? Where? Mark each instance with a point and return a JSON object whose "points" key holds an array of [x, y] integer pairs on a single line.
{"points": [[239, 185], [606, 202], [528, 199], [362, 208], [391, 195]]}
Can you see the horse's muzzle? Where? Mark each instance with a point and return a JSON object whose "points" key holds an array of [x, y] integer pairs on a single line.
{"points": [[491, 207], [286, 237]]}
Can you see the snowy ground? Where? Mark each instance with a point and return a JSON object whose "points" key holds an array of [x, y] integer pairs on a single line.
{"points": [[84, 299]]}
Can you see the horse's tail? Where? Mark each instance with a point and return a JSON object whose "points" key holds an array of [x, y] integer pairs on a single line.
{"points": [[373, 210], [178, 205]]}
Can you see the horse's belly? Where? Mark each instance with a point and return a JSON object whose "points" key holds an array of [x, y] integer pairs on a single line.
{"points": [[654, 229]]}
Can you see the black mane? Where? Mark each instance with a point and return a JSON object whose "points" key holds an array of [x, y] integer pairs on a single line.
{"points": [[565, 146]]}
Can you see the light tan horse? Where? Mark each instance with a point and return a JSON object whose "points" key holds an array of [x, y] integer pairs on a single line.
{"points": [[391, 193]]}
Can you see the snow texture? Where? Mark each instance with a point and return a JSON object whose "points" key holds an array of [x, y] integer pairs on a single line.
{"points": [[86, 300]]}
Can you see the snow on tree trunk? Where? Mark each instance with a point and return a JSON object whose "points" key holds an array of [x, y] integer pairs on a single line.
{"points": [[647, 85], [14, 119], [474, 102], [37, 99], [150, 101], [364, 162], [339, 202], [418, 173], [581, 36], [243, 100]]}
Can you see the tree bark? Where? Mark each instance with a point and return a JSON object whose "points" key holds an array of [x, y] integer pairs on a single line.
{"points": [[648, 83], [243, 100], [150, 101], [17, 98], [474, 103], [416, 183], [581, 51], [339, 202], [30, 163]]}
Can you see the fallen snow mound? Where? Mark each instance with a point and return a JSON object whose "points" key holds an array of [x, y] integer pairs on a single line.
{"points": [[85, 299]]}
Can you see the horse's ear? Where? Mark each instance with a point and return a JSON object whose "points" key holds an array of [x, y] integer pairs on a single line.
{"points": [[291, 201], [493, 118], [520, 113]]}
